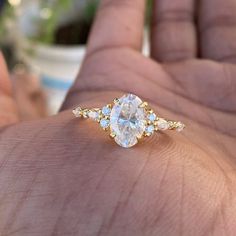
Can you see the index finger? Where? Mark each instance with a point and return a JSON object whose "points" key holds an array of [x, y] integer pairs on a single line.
{"points": [[119, 23]]}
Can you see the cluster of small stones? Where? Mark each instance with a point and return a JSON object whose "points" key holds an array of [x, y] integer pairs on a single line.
{"points": [[102, 116], [155, 123]]}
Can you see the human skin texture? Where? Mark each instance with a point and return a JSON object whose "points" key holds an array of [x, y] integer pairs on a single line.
{"points": [[64, 176]]}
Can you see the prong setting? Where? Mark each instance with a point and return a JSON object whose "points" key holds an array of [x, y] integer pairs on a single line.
{"points": [[116, 101], [112, 135], [143, 105]]}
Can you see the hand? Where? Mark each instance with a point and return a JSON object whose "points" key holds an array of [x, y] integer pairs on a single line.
{"points": [[63, 176]]}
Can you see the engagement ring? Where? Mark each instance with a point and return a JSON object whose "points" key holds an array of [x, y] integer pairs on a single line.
{"points": [[128, 119]]}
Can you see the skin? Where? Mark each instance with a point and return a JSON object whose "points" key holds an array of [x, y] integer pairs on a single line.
{"points": [[64, 176]]}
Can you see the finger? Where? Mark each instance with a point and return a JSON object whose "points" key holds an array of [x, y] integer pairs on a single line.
{"points": [[8, 111], [217, 27], [118, 24], [173, 35]]}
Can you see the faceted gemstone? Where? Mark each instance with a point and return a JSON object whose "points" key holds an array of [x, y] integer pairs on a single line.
{"points": [[162, 124], [104, 123], [152, 117], [93, 115], [106, 111], [180, 126], [150, 129], [127, 120], [77, 111]]}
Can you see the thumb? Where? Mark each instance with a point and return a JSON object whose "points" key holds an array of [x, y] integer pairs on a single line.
{"points": [[8, 109]]}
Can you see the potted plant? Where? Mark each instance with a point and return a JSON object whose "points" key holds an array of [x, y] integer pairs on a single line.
{"points": [[50, 38]]}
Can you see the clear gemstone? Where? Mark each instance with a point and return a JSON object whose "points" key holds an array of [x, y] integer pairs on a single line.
{"points": [[77, 111], [93, 115], [150, 129], [128, 120], [106, 111], [180, 126], [104, 123], [162, 124], [152, 117]]}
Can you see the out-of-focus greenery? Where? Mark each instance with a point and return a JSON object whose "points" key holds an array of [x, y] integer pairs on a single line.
{"points": [[55, 9], [50, 15], [6, 17], [51, 12], [149, 12], [90, 10]]}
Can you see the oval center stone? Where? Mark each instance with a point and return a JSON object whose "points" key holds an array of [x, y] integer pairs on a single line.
{"points": [[127, 120]]}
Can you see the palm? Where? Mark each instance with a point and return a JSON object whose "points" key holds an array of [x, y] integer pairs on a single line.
{"points": [[171, 184], [179, 169]]}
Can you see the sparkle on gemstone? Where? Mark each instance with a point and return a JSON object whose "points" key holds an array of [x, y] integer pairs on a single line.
{"points": [[104, 123], [162, 124], [93, 115], [127, 120], [152, 117], [180, 126], [106, 111], [150, 129], [77, 111]]}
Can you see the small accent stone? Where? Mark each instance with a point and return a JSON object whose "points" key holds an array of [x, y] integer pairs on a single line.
{"points": [[180, 126], [106, 111], [150, 129], [104, 123], [77, 112], [152, 117], [162, 124], [93, 115]]}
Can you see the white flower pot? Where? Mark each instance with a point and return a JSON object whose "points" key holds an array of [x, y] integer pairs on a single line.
{"points": [[57, 67]]}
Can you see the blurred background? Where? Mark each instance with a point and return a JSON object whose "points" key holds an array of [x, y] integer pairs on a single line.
{"points": [[44, 42]]}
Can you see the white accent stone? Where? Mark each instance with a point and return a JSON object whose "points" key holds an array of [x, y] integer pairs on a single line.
{"points": [[77, 112], [152, 117], [150, 129], [93, 115], [106, 111], [104, 123], [127, 120], [162, 124], [180, 126]]}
